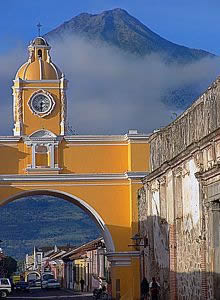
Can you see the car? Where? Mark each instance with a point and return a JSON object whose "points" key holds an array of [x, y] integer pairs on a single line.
{"points": [[52, 284], [22, 286], [31, 283], [5, 287], [38, 283]]}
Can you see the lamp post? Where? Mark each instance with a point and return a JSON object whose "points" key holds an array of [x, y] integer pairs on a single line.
{"points": [[137, 244]]}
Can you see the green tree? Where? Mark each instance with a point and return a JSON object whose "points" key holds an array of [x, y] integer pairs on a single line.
{"points": [[9, 265]]}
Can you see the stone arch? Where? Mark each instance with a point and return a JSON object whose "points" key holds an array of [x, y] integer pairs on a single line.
{"points": [[78, 202]]}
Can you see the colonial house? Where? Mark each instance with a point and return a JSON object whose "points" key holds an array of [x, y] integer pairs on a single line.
{"points": [[71, 264], [87, 262], [179, 204]]}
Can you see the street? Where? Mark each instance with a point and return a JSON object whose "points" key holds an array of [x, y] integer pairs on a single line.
{"points": [[38, 293]]}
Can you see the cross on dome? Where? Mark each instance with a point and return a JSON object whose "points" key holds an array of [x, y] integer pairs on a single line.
{"points": [[39, 28]]}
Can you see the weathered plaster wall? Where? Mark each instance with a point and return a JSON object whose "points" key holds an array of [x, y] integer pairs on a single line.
{"points": [[179, 204]]}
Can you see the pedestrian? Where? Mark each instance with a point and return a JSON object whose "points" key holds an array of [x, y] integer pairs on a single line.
{"points": [[154, 289], [82, 282], [144, 289]]}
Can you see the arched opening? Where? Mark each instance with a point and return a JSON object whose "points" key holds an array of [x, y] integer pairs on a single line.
{"points": [[80, 204], [39, 53]]}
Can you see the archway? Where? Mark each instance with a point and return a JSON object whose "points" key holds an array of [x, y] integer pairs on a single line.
{"points": [[76, 201]]}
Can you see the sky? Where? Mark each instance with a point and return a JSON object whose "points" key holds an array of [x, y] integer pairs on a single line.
{"points": [[110, 93]]}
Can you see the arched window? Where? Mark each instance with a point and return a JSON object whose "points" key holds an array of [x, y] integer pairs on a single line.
{"points": [[39, 53]]}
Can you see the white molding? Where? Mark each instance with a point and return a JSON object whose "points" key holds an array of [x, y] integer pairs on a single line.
{"points": [[105, 138], [43, 133], [94, 138], [40, 66], [13, 139], [84, 144], [89, 138], [71, 177], [39, 81], [40, 87], [45, 94], [35, 169], [122, 259], [136, 175], [63, 184], [123, 254]]}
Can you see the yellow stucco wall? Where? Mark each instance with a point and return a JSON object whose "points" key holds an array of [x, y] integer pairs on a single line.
{"points": [[104, 171]]}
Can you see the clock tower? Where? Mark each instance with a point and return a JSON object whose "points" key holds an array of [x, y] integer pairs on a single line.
{"points": [[39, 93]]}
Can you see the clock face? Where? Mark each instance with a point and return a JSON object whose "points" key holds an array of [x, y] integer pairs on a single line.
{"points": [[41, 104]]}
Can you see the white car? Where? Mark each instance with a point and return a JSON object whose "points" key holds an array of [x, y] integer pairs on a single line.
{"points": [[52, 284], [5, 287]]}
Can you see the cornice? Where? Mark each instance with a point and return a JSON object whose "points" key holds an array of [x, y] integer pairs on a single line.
{"points": [[186, 154], [123, 254], [11, 139], [107, 138], [38, 81], [138, 138], [72, 177]]}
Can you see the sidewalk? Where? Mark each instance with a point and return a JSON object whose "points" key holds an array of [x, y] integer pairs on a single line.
{"points": [[80, 294]]}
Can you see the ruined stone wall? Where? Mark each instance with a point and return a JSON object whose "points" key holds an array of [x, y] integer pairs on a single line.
{"points": [[201, 119], [179, 205], [156, 252], [170, 215]]}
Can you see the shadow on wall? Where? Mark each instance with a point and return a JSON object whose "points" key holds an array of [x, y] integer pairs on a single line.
{"points": [[177, 266]]}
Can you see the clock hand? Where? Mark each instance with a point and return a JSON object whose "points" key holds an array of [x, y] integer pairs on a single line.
{"points": [[41, 105]]}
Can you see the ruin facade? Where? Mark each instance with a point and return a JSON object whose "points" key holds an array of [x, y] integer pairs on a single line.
{"points": [[179, 203]]}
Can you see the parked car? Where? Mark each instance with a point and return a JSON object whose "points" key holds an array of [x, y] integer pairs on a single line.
{"points": [[52, 284], [22, 286], [38, 283], [5, 287], [31, 283]]}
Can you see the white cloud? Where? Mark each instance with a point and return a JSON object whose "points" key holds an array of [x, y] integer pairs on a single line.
{"points": [[109, 91]]}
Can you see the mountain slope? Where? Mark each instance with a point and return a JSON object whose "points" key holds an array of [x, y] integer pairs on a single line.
{"points": [[117, 28], [43, 221]]}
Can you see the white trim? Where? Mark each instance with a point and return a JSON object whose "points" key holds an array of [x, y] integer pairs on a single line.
{"points": [[77, 201], [136, 175], [25, 70], [33, 163], [10, 139], [124, 254], [40, 87], [40, 67], [89, 138], [122, 259], [39, 81], [45, 94], [83, 144], [37, 169], [51, 151], [72, 177], [42, 133], [68, 184], [55, 69], [110, 138]]}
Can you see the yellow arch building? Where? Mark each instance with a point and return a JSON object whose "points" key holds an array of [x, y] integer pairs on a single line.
{"points": [[99, 173]]}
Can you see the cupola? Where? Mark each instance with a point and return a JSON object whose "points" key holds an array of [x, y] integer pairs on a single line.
{"points": [[39, 65]]}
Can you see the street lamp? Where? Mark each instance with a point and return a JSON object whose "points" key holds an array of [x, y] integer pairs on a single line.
{"points": [[137, 244], [137, 241]]}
